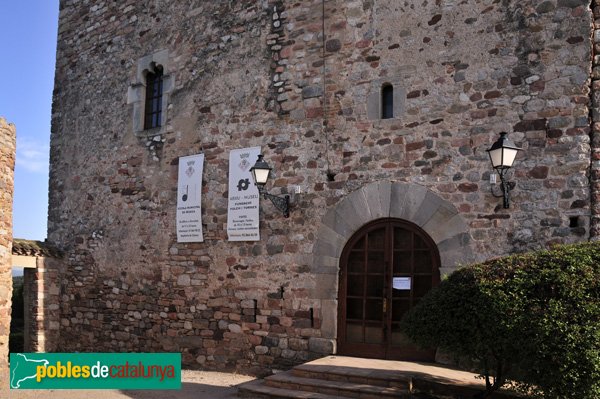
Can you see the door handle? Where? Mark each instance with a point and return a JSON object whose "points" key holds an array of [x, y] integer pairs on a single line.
{"points": [[384, 305]]}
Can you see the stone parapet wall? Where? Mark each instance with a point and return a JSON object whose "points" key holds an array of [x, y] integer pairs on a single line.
{"points": [[301, 80], [7, 166]]}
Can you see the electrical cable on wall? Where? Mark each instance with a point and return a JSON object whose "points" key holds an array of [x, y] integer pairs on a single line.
{"points": [[325, 124]]}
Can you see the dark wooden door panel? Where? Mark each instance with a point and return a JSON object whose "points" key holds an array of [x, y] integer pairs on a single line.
{"points": [[385, 269]]}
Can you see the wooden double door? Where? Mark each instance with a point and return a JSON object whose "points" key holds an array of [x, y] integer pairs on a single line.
{"points": [[385, 269]]}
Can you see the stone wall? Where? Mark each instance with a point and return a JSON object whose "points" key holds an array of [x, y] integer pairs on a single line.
{"points": [[7, 166], [301, 80], [42, 315], [595, 131]]}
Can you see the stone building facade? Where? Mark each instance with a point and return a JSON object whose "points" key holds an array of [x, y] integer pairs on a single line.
{"points": [[7, 166], [303, 80]]}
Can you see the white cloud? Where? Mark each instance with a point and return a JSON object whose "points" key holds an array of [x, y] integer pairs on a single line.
{"points": [[32, 155]]}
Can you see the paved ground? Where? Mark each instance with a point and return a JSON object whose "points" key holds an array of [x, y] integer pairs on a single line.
{"points": [[194, 385]]}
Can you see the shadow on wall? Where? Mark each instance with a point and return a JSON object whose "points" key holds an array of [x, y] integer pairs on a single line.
{"points": [[17, 323]]}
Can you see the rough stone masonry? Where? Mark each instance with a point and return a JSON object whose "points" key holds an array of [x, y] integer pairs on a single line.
{"points": [[302, 80], [7, 167]]}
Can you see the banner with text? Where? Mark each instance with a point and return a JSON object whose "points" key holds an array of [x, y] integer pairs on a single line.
{"points": [[95, 371], [242, 216], [189, 198]]}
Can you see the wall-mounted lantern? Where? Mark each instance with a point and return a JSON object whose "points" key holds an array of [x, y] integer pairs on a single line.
{"points": [[260, 173], [502, 155]]}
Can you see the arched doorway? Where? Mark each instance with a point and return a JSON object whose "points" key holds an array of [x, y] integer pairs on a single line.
{"points": [[385, 268]]}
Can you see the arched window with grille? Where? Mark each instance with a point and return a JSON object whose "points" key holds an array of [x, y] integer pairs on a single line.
{"points": [[154, 97], [387, 101]]}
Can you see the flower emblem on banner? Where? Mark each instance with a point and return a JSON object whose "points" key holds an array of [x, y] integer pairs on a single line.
{"points": [[190, 171], [244, 164]]}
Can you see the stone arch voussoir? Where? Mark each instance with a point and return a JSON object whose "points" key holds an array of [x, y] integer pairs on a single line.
{"points": [[407, 201]]}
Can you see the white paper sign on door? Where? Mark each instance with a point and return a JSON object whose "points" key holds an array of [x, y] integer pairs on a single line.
{"points": [[242, 215], [189, 199], [401, 283]]}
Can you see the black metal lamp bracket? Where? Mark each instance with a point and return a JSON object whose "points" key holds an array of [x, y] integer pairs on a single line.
{"points": [[282, 203], [505, 186]]}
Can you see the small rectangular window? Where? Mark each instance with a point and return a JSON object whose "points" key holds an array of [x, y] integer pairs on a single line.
{"points": [[573, 221], [154, 92], [387, 102]]}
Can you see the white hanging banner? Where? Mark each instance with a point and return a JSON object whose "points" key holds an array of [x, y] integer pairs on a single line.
{"points": [[189, 198], [242, 216]]}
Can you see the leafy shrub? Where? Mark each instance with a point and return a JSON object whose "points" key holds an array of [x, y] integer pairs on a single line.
{"points": [[531, 319]]}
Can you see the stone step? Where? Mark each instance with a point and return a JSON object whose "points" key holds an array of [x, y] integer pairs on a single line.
{"points": [[345, 377], [344, 389], [380, 378], [259, 390]]}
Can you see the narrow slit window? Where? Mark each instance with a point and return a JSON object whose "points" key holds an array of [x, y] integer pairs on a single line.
{"points": [[387, 102], [154, 93], [574, 221]]}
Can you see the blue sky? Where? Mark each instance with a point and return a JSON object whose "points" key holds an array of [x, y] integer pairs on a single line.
{"points": [[28, 46]]}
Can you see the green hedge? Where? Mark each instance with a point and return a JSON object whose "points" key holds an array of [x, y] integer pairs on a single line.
{"points": [[531, 319]]}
